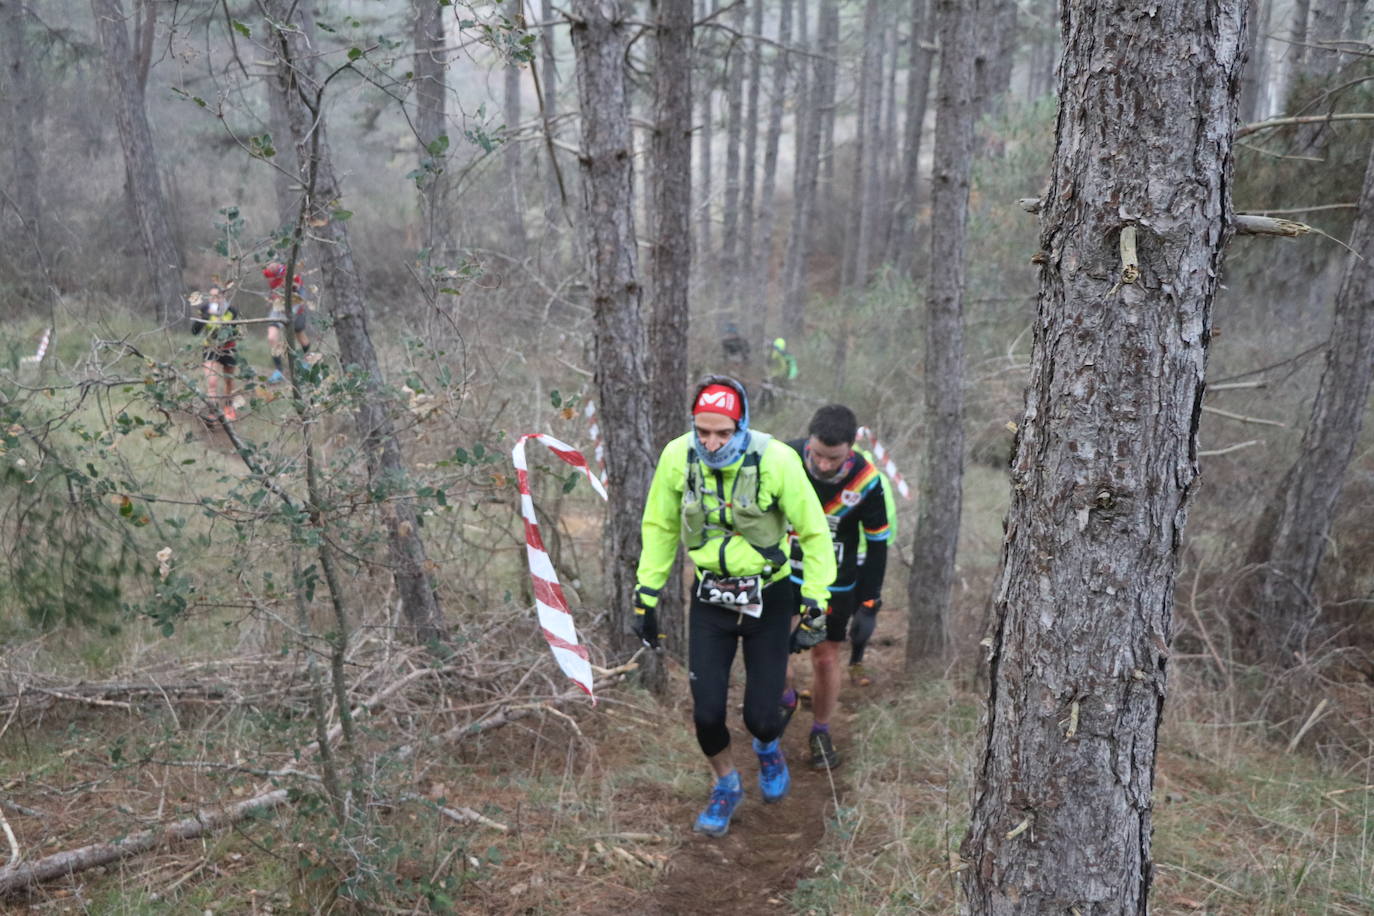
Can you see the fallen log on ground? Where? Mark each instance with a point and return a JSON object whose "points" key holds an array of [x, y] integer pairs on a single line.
{"points": [[20, 875]]}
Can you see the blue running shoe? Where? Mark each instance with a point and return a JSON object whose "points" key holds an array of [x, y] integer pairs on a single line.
{"points": [[725, 798], [774, 778], [276, 378]]}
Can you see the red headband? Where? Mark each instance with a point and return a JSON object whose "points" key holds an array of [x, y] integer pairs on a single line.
{"points": [[721, 399]]}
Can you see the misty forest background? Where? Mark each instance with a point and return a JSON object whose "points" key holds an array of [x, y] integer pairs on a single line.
{"points": [[316, 620]]}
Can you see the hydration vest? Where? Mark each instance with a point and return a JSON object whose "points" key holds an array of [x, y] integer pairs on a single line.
{"points": [[762, 527]]}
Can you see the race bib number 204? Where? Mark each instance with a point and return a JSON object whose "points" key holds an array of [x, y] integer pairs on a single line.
{"points": [[736, 593]]}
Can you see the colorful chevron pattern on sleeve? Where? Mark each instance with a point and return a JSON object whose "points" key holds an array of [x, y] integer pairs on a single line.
{"points": [[854, 491], [878, 534]]}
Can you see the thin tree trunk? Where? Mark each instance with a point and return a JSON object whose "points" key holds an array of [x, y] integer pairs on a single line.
{"points": [[386, 469], [548, 86], [917, 94], [1291, 536], [750, 271], [510, 156], [23, 106], [1327, 25], [600, 36], [889, 160], [140, 162], [931, 585], [1252, 77], [1134, 221], [705, 242], [1297, 52], [431, 129], [827, 82], [854, 272], [805, 191], [772, 141], [999, 38], [736, 63]]}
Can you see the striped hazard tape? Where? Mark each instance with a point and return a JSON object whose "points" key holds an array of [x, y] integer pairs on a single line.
{"points": [[594, 432], [42, 348], [552, 607], [885, 463]]}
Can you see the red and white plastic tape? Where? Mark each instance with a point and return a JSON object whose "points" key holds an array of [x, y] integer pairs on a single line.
{"points": [[594, 432], [42, 348], [885, 463], [552, 607]]}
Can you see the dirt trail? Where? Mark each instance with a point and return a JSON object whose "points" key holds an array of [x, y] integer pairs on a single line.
{"points": [[769, 847], [756, 867]]}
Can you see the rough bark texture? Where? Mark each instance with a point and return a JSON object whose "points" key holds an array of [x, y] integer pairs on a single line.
{"points": [[931, 585], [1105, 458], [917, 95], [1291, 536], [140, 162], [672, 254], [386, 469], [431, 123], [600, 35]]}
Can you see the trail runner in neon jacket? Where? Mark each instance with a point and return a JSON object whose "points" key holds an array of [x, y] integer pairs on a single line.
{"points": [[729, 494]]}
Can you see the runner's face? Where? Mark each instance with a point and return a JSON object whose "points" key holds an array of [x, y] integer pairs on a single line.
{"points": [[713, 430], [824, 461]]}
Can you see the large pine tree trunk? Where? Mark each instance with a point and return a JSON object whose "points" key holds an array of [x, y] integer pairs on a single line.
{"points": [[600, 35], [140, 162], [917, 94], [1291, 537], [930, 588], [672, 254], [1105, 459], [386, 471], [431, 92]]}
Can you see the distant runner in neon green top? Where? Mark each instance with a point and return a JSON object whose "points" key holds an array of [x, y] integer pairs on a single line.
{"points": [[729, 494]]}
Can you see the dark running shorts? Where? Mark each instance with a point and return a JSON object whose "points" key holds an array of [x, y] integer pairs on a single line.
{"points": [[225, 358]]}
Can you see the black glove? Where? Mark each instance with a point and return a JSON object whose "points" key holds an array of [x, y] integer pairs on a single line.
{"points": [[811, 631], [865, 619], [645, 626]]}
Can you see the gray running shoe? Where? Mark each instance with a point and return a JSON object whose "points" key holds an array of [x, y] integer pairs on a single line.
{"points": [[823, 753]]}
